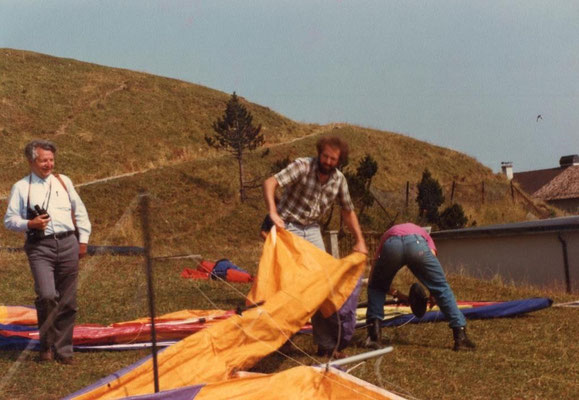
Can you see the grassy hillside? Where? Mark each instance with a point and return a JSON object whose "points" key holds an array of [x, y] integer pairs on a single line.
{"points": [[109, 121], [196, 202]]}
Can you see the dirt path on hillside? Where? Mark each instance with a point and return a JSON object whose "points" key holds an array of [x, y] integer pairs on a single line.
{"points": [[83, 106], [317, 131], [320, 130]]}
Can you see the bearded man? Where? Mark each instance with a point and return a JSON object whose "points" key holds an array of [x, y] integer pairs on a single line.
{"points": [[311, 186]]}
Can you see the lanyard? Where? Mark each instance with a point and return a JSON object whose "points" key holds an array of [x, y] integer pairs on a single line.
{"points": [[46, 196]]}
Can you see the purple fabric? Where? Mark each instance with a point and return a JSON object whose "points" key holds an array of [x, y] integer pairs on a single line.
{"points": [[327, 330], [185, 393], [108, 379]]}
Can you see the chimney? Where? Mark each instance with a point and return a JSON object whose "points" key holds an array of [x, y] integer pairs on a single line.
{"points": [[568, 161], [507, 168]]}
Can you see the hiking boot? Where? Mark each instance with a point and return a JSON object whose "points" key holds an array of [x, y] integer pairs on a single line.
{"points": [[374, 339], [65, 360], [336, 355], [45, 355], [461, 340]]}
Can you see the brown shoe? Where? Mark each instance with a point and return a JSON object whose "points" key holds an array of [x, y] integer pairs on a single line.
{"points": [[65, 360], [336, 355], [46, 356]]}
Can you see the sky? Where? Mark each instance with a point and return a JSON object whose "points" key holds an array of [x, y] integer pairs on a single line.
{"points": [[469, 75]]}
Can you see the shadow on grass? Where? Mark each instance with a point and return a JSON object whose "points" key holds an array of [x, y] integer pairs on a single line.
{"points": [[17, 355]]}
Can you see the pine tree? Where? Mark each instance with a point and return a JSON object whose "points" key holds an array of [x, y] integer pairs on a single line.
{"points": [[280, 164], [359, 183], [430, 197], [235, 132], [452, 217]]}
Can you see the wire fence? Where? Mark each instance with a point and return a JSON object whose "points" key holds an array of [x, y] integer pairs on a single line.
{"points": [[454, 192], [403, 202], [474, 195]]}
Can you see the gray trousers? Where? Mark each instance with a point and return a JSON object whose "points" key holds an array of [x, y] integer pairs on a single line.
{"points": [[54, 267], [338, 329]]}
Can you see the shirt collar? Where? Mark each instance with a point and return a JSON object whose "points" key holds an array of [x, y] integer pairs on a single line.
{"points": [[37, 179]]}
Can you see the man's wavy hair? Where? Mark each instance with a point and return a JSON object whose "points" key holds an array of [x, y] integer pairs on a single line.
{"points": [[336, 143], [30, 149]]}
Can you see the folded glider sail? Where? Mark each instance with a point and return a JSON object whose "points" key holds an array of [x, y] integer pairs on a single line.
{"points": [[238, 342]]}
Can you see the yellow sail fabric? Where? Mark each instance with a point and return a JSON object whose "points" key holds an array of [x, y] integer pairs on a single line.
{"points": [[17, 315], [296, 383], [181, 316], [310, 277], [275, 274]]}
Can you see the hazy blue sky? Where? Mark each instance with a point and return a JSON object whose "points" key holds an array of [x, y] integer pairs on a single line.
{"points": [[471, 75]]}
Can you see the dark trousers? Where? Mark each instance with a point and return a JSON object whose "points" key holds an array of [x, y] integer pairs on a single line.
{"points": [[54, 267]]}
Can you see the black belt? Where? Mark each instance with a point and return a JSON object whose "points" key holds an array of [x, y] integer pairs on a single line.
{"points": [[60, 235]]}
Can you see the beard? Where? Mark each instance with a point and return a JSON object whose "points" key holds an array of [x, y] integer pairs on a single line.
{"points": [[325, 170]]}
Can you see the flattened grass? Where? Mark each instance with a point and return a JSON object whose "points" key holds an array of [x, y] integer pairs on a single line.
{"points": [[532, 356]]}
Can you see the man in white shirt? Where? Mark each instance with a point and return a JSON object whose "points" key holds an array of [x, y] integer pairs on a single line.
{"points": [[48, 209]]}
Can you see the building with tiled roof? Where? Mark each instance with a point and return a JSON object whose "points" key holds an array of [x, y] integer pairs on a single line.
{"points": [[556, 186]]}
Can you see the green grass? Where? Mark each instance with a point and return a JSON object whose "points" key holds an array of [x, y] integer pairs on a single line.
{"points": [[532, 356]]}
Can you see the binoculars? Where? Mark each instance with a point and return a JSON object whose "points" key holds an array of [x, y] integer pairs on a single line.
{"points": [[35, 234]]}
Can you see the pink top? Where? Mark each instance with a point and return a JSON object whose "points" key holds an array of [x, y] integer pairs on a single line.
{"points": [[403, 230]]}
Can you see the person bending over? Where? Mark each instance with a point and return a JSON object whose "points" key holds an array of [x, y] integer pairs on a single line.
{"points": [[409, 244]]}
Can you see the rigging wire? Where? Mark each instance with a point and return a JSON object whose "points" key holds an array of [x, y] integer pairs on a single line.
{"points": [[305, 353], [298, 362]]}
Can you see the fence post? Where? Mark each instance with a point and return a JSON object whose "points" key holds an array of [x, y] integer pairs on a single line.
{"points": [[144, 209], [334, 244], [452, 193]]}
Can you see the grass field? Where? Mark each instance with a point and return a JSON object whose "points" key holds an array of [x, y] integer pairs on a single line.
{"points": [[534, 356]]}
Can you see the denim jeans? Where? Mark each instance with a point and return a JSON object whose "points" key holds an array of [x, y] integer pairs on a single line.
{"points": [[413, 251], [338, 329], [312, 233]]}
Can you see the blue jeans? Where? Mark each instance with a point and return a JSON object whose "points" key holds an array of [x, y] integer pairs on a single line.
{"points": [[338, 328], [413, 251], [312, 233]]}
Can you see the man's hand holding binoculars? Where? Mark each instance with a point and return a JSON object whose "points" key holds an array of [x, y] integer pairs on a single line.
{"points": [[39, 222]]}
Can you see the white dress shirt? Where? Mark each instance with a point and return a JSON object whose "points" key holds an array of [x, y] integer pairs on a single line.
{"points": [[51, 195]]}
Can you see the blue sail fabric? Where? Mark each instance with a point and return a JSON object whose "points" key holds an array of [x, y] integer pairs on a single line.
{"points": [[497, 310]]}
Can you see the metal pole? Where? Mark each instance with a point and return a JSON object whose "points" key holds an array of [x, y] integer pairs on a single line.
{"points": [[452, 193], [360, 357], [565, 262], [144, 203]]}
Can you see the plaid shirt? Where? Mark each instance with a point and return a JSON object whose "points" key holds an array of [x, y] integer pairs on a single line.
{"points": [[305, 200]]}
